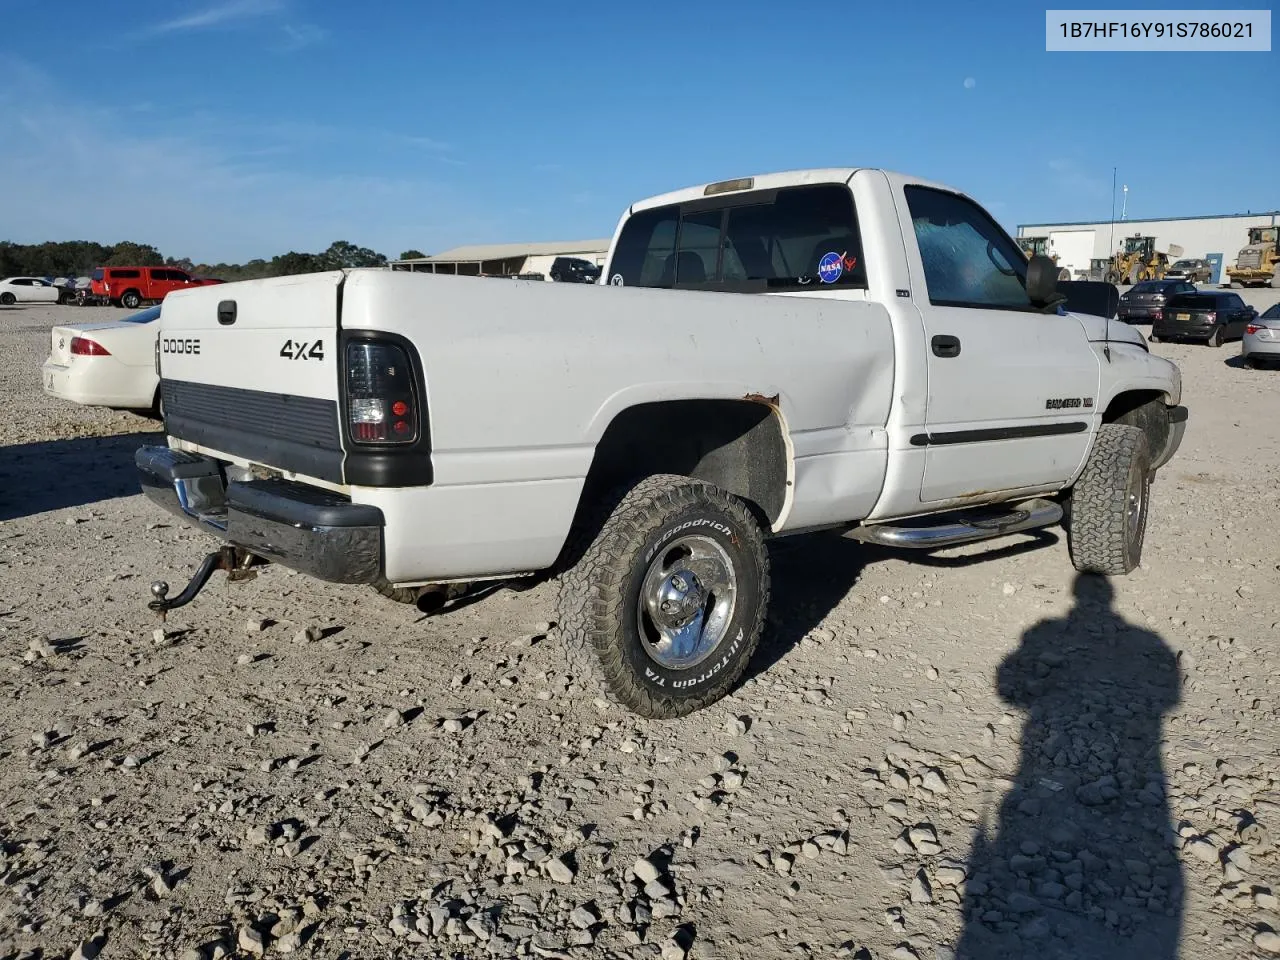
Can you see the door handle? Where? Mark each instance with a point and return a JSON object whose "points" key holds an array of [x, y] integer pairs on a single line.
{"points": [[945, 346]]}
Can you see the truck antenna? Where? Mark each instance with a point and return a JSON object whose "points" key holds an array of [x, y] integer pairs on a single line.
{"points": [[1111, 250]]}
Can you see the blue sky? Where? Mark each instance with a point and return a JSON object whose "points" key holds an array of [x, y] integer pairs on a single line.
{"points": [[232, 129]]}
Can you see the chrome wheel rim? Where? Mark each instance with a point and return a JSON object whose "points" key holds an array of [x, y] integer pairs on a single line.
{"points": [[686, 602]]}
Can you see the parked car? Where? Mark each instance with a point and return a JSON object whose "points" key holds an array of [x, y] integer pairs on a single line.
{"points": [[27, 290], [574, 270], [839, 348], [1194, 271], [110, 364], [1261, 340], [1210, 315], [1144, 302], [130, 287]]}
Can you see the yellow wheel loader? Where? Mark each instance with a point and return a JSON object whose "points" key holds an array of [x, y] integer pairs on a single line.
{"points": [[1140, 260], [1039, 247], [1259, 261]]}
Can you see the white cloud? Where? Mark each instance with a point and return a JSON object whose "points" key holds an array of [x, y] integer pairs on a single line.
{"points": [[970, 83], [193, 191], [300, 35], [228, 12]]}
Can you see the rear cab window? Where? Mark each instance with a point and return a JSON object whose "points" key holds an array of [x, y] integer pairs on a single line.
{"points": [[792, 238]]}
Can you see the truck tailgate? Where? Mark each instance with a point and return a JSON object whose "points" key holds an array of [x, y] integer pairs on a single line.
{"points": [[249, 369]]}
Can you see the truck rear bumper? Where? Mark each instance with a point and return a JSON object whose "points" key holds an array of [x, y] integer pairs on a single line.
{"points": [[301, 527]]}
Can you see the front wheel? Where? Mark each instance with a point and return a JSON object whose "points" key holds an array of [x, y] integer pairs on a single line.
{"points": [[8, 299], [666, 604], [1107, 509]]}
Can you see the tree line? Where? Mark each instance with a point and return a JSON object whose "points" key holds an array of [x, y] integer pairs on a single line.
{"points": [[77, 258]]}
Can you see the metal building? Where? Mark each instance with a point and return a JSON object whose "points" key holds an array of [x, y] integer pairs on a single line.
{"points": [[505, 259], [1215, 238]]}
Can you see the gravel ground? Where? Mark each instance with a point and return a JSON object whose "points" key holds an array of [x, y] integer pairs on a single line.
{"points": [[966, 755]]}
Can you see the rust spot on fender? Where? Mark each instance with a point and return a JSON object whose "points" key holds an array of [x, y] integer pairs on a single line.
{"points": [[761, 398]]}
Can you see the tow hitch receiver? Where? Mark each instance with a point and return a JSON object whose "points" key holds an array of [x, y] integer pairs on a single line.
{"points": [[235, 561]]}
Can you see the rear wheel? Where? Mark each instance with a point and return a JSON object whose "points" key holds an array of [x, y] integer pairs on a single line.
{"points": [[1107, 509], [131, 300], [1215, 338], [666, 603]]}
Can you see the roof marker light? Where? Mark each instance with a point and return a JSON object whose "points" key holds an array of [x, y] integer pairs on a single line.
{"points": [[729, 186]]}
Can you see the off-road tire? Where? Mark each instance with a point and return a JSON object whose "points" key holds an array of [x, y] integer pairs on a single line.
{"points": [[131, 300], [1103, 535], [8, 299], [599, 594]]}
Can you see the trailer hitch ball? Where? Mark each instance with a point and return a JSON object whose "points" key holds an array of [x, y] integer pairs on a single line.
{"points": [[223, 559]]}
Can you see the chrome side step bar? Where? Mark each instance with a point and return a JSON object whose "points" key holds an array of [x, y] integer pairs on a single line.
{"points": [[959, 527]]}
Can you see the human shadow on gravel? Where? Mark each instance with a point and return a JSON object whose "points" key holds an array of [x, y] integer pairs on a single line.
{"points": [[1083, 862], [56, 474], [812, 573]]}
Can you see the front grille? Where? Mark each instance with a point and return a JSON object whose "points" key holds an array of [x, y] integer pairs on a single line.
{"points": [[278, 430], [1249, 260]]}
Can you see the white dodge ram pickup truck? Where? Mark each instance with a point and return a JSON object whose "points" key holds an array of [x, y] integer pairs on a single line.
{"points": [[909, 375]]}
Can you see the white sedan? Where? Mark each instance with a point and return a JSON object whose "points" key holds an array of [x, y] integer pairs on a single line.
{"points": [[27, 290], [108, 364]]}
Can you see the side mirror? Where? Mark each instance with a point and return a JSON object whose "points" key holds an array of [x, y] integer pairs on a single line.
{"points": [[1042, 279], [1093, 297]]}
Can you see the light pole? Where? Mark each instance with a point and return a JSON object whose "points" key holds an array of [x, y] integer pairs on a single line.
{"points": [[1124, 203]]}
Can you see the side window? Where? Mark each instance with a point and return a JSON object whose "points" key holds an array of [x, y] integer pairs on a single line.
{"points": [[969, 261], [21, 282]]}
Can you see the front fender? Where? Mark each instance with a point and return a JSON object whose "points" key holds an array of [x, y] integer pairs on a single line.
{"points": [[1132, 369]]}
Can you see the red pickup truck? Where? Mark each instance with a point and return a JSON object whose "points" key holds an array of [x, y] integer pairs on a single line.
{"points": [[132, 286]]}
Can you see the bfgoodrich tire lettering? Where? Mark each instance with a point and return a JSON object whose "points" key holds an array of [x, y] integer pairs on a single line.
{"points": [[1107, 512], [603, 622]]}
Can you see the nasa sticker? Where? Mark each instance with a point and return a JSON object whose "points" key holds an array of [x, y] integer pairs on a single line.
{"points": [[830, 267], [616, 280]]}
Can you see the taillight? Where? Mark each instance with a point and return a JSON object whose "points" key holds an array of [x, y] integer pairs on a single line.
{"points": [[381, 403], [1254, 328], [1157, 314], [84, 347]]}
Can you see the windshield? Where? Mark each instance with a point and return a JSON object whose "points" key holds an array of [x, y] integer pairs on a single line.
{"points": [[1152, 286], [1272, 312], [1184, 264], [145, 316]]}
